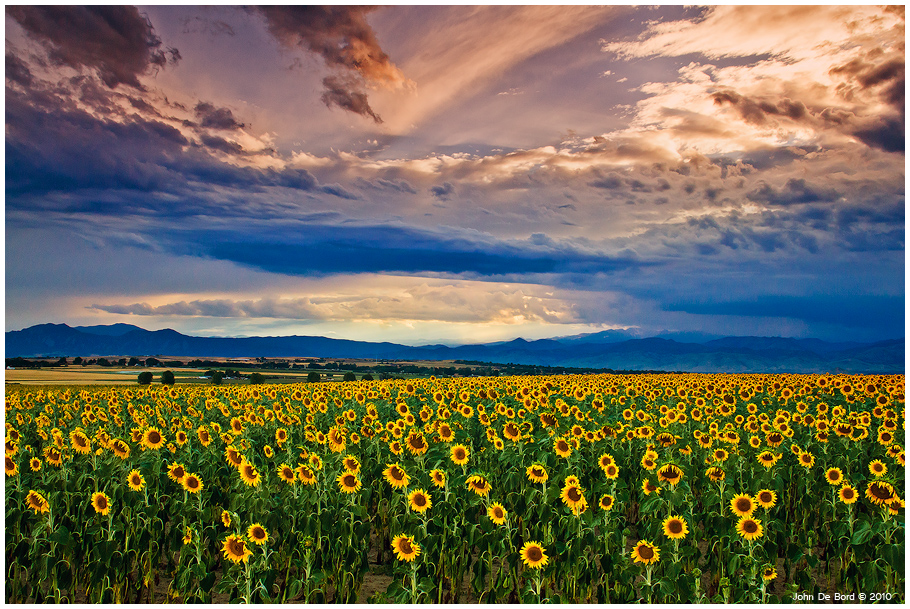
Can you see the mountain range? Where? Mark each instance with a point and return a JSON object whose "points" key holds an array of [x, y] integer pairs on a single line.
{"points": [[611, 349]]}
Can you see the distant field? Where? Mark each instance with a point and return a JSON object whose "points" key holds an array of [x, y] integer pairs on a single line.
{"points": [[77, 375]]}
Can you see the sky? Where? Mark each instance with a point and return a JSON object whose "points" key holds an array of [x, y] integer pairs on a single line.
{"points": [[457, 174]]}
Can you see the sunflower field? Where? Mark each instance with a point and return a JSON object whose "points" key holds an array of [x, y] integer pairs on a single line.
{"points": [[596, 488]]}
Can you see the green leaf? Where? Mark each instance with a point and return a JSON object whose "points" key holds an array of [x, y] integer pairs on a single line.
{"points": [[862, 534]]}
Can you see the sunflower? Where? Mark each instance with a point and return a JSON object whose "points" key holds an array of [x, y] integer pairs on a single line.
{"points": [[405, 547], [35, 464], [192, 483], [649, 488], [181, 437], [497, 513], [396, 447], [281, 435], [396, 476], [438, 477], [152, 438], [767, 458], [351, 464], [205, 438], [188, 536], [537, 473], [573, 496], [306, 475], [880, 492], [769, 573], [675, 527], [533, 555], [417, 444], [348, 482], [257, 534], [80, 442], [878, 469], [716, 474], [101, 503], [848, 494], [225, 518], [176, 472], [766, 498], [605, 461], [645, 552], [806, 459], [235, 549], [286, 473], [562, 447], [53, 456], [834, 475], [135, 480], [249, 474], [749, 528], [36, 501], [606, 503], [120, 448], [670, 473], [445, 432], [479, 485], [742, 505], [459, 454]]}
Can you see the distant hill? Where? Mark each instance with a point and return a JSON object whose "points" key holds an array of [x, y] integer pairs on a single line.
{"points": [[602, 350]]}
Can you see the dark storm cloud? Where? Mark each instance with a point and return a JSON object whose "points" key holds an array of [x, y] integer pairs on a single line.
{"points": [[402, 186], [216, 118], [444, 192], [17, 71], [51, 145], [325, 249], [797, 190], [347, 44], [344, 93], [878, 312], [756, 111], [117, 42]]}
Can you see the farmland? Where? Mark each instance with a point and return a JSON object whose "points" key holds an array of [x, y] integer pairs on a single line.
{"points": [[570, 488]]}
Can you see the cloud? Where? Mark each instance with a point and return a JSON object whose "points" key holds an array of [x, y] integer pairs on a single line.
{"points": [[117, 42], [466, 302], [347, 44], [216, 118], [443, 192], [796, 190]]}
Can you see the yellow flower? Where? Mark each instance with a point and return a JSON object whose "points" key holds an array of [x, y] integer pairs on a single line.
{"points": [[235, 549], [749, 528], [419, 501], [645, 552], [101, 503], [497, 513], [533, 555], [675, 527], [36, 501], [257, 534], [135, 480], [406, 549]]}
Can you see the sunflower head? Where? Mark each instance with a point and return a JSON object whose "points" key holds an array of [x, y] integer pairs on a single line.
{"points": [[405, 548], [459, 454], [749, 528], [176, 472], [742, 505], [769, 573], [287, 473], [834, 475], [153, 439], [497, 513], [36, 501], [606, 502], [192, 483], [533, 555], [479, 485], [396, 476], [878, 469], [225, 518], [645, 552], [249, 474], [257, 534], [675, 527], [135, 480], [235, 549], [880, 492], [537, 473], [648, 487], [670, 473], [766, 498], [348, 482], [101, 503], [419, 501], [438, 477]]}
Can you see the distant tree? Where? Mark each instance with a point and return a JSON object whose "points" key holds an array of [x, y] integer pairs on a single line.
{"points": [[256, 379], [366, 377], [134, 361], [349, 376], [313, 377], [152, 362], [217, 377], [103, 361], [167, 378], [121, 361], [62, 361], [145, 378]]}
